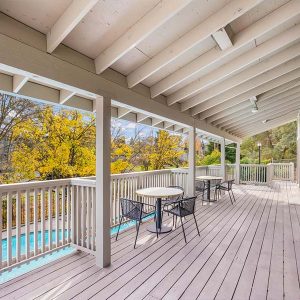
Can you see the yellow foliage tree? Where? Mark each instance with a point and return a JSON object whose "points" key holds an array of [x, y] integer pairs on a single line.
{"points": [[166, 151], [54, 145]]}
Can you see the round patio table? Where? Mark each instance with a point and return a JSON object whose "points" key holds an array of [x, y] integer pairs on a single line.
{"points": [[159, 193], [208, 179]]}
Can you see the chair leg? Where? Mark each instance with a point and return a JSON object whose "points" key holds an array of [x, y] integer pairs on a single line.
{"points": [[119, 228], [230, 197], [183, 229], [233, 195], [196, 224], [137, 233]]}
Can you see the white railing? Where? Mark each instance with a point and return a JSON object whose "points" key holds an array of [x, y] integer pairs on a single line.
{"points": [[253, 174], [37, 217], [282, 171]]}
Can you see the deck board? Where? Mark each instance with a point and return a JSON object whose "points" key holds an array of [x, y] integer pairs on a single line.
{"points": [[247, 250]]}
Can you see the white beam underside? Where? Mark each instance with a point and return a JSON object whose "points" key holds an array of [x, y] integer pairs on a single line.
{"points": [[18, 82], [273, 92], [161, 13], [256, 91], [220, 19], [273, 117], [273, 124], [67, 22], [262, 107], [268, 113], [254, 31], [248, 86], [123, 112], [261, 104], [65, 95], [236, 65], [244, 76]]}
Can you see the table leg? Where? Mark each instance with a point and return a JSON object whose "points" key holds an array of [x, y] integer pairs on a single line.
{"points": [[161, 228], [158, 213], [208, 190]]}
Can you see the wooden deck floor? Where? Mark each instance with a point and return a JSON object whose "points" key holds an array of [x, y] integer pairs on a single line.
{"points": [[247, 250]]}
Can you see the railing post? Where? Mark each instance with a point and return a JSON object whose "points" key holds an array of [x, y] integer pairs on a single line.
{"points": [[223, 165], [237, 163], [103, 247], [192, 162]]}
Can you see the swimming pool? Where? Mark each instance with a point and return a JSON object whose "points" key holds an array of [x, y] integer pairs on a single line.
{"points": [[47, 258], [31, 238]]}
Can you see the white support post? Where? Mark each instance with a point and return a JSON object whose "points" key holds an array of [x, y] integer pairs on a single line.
{"points": [[237, 163], [298, 149], [223, 165], [103, 247], [192, 161]]}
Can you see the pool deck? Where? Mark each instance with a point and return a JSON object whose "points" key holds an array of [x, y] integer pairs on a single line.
{"points": [[247, 250]]}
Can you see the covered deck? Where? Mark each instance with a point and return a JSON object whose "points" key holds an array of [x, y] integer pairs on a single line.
{"points": [[247, 250]]}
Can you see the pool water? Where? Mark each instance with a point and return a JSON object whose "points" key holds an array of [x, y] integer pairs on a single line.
{"points": [[47, 258]]}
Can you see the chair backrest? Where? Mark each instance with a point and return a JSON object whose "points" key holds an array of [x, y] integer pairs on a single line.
{"points": [[229, 183], [131, 208], [200, 185], [188, 204], [177, 187]]}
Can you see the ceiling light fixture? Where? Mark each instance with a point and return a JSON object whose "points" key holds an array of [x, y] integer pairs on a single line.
{"points": [[253, 101]]}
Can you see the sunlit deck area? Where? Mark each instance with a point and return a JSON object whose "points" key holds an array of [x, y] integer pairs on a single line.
{"points": [[247, 250]]}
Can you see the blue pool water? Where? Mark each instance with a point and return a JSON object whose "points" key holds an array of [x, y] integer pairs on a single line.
{"points": [[36, 263]]}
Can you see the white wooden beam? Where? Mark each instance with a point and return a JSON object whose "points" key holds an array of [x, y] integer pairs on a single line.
{"points": [[272, 117], [205, 61], [103, 243], [266, 115], [248, 86], [244, 105], [156, 121], [209, 96], [168, 125], [270, 125], [237, 64], [220, 19], [256, 91], [273, 104], [18, 82], [160, 14], [243, 112], [65, 95], [223, 38], [122, 111], [67, 22], [140, 117], [178, 128]]}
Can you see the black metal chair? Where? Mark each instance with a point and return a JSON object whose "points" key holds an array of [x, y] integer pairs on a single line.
{"points": [[200, 188], [183, 208], [170, 201], [134, 210], [214, 183], [227, 187]]}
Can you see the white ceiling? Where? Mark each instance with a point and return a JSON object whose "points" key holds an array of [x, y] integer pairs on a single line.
{"points": [[107, 21]]}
